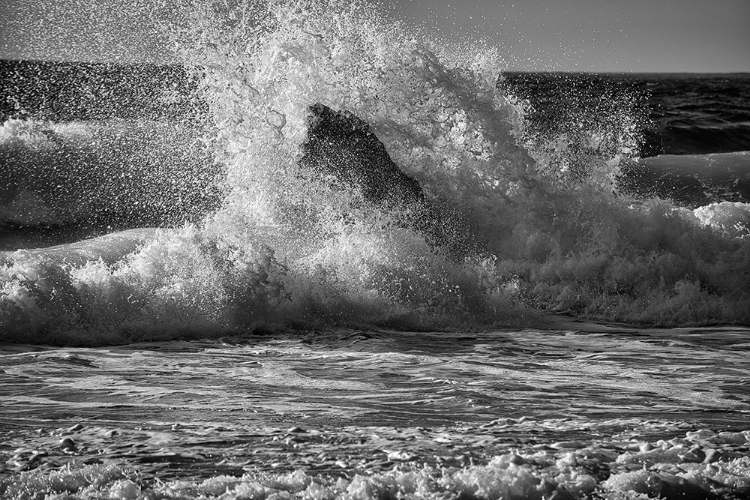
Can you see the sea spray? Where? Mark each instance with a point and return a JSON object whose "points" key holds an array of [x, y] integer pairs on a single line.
{"points": [[287, 248], [570, 246], [580, 128], [104, 174]]}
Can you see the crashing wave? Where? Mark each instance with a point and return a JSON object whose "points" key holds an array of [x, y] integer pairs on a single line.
{"points": [[287, 248]]}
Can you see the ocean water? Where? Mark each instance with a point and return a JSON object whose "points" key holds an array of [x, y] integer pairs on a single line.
{"points": [[185, 312]]}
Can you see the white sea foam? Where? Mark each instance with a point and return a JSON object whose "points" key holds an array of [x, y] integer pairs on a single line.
{"points": [[732, 218], [509, 476]]}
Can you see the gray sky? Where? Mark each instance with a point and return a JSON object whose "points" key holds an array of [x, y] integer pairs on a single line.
{"points": [[578, 35], [600, 35]]}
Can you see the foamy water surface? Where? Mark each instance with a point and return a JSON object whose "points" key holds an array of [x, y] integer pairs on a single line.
{"points": [[590, 403]]}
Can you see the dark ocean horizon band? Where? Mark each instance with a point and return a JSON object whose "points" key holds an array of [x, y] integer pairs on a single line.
{"points": [[687, 113]]}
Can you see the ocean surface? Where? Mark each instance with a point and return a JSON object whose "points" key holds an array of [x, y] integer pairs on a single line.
{"points": [[188, 313]]}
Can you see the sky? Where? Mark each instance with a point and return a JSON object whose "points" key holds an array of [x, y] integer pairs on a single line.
{"points": [[601, 35], [553, 35]]}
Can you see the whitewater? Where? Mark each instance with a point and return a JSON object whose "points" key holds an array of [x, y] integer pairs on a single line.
{"points": [[188, 312]]}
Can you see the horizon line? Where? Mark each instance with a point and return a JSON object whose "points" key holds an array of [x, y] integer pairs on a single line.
{"points": [[599, 72]]}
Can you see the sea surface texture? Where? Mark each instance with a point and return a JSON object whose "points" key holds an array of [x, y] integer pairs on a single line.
{"points": [[186, 311]]}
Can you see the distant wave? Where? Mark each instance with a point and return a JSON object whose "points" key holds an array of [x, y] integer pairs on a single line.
{"points": [[690, 180], [699, 139]]}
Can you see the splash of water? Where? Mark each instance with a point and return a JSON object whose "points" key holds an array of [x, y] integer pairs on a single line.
{"points": [[288, 248]]}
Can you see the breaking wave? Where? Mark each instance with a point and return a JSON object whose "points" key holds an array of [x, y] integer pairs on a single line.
{"points": [[286, 248]]}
